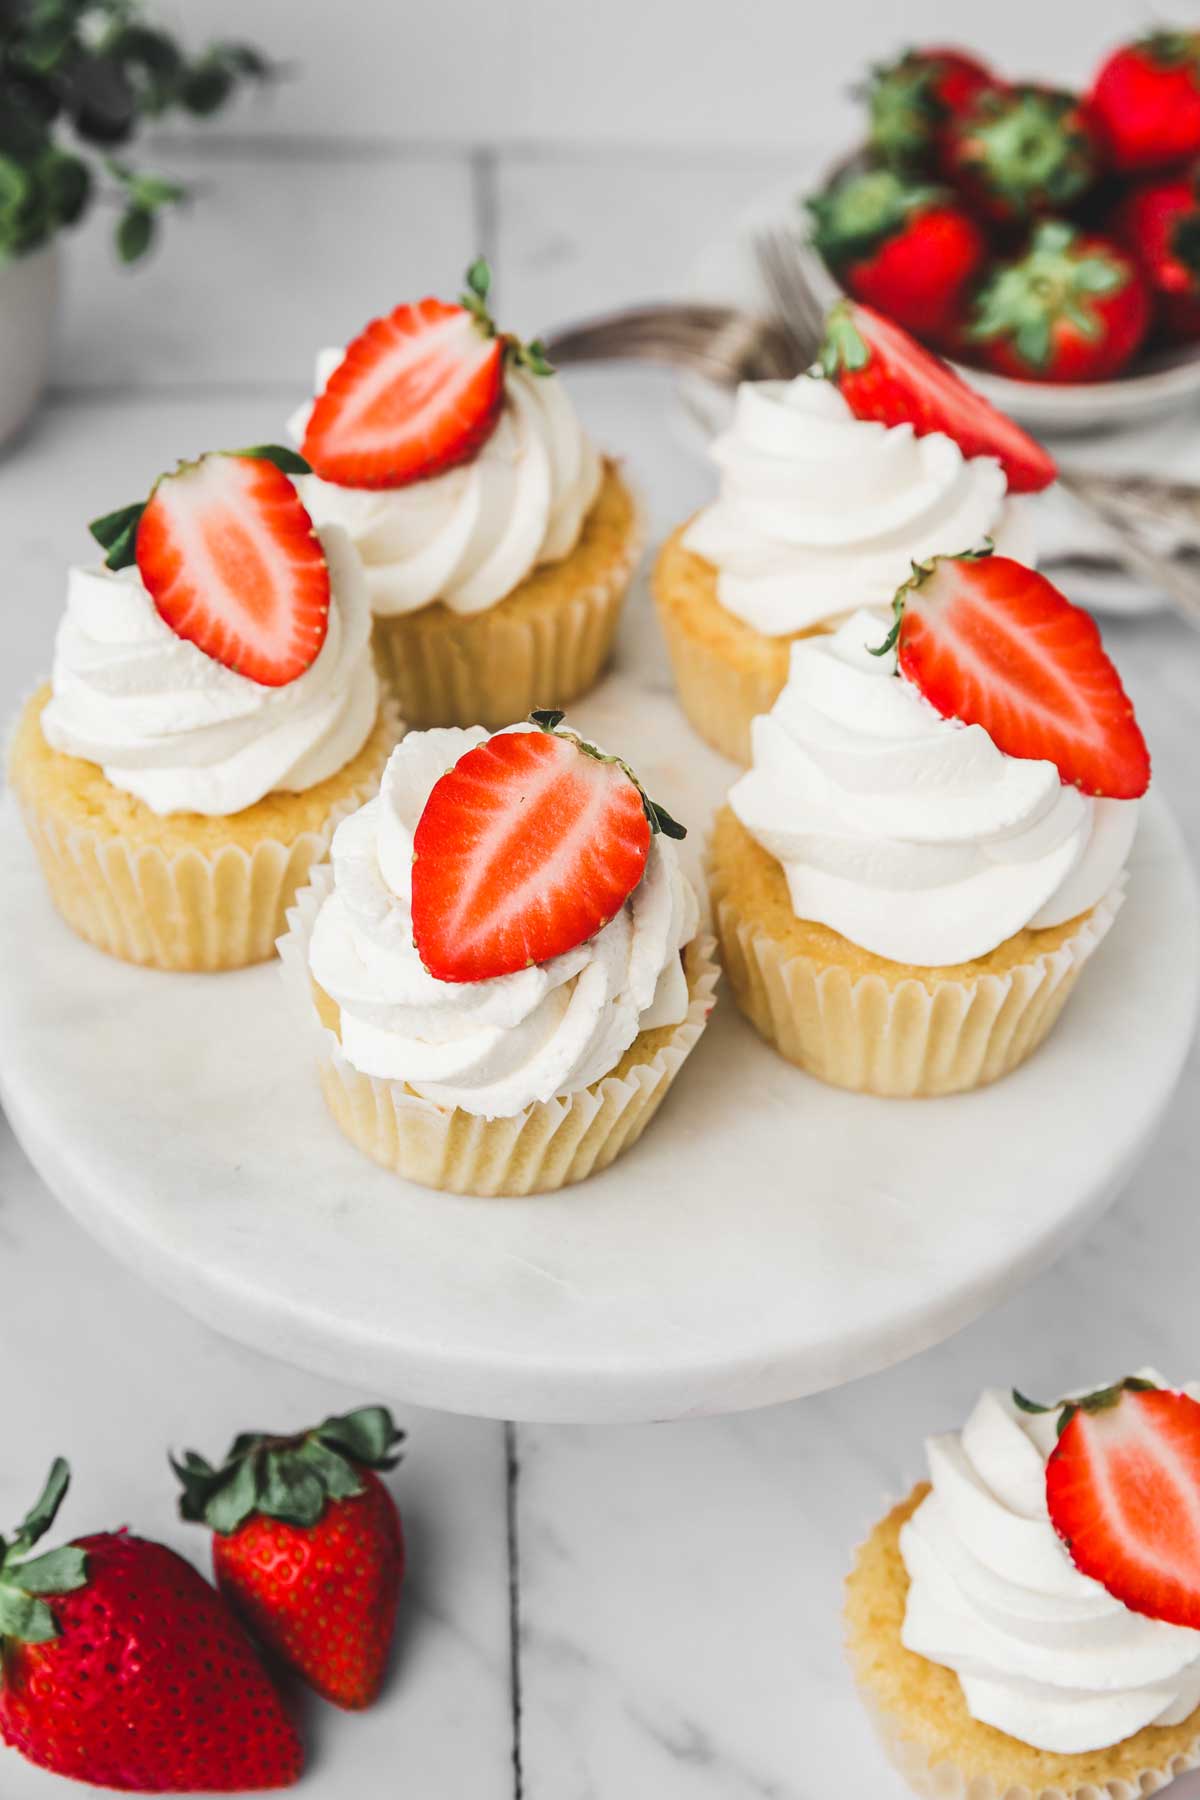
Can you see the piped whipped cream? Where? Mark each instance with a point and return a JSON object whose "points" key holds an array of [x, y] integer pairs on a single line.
{"points": [[468, 537], [1041, 1651], [911, 834], [820, 512], [179, 730], [490, 1047]]}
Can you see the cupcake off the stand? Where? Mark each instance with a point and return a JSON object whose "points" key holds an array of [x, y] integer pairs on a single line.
{"points": [[1026, 1624], [502, 961], [931, 842], [498, 544], [832, 486], [213, 711]]}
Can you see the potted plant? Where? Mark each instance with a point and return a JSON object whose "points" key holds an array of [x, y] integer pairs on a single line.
{"points": [[78, 78]]}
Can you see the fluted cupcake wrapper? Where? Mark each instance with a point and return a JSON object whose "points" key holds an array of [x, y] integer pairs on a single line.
{"points": [[190, 909], [495, 667], [904, 1039], [719, 698], [942, 1780], [549, 1145]]}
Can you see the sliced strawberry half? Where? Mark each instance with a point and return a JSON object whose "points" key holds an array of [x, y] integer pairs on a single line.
{"points": [[231, 560], [993, 643], [417, 392], [886, 376], [1123, 1491], [529, 845]]}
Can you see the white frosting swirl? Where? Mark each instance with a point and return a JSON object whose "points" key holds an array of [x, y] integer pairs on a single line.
{"points": [[1041, 1651], [179, 730], [489, 1047], [821, 512], [911, 834], [470, 536]]}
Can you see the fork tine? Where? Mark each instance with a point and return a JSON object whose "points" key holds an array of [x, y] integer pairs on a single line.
{"points": [[793, 302]]}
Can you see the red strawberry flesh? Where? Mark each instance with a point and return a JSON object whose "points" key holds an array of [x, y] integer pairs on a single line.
{"points": [[526, 848], [1123, 1491], [993, 643], [416, 393], [234, 566], [886, 376]]}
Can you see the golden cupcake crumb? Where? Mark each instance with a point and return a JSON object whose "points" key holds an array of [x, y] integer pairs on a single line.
{"points": [[923, 1703]]}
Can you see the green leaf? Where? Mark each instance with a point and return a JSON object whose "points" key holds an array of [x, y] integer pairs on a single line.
{"points": [[479, 278], [232, 1502], [661, 820], [844, 349], [291, 1491], [44, 1510], [290, 461], [206, 88], [546, 719], [135, 233], [116, 532], [28, 1620], [1028, 1406], [58, 1572], [336, 1474], [367, 1436], [16, 185]]}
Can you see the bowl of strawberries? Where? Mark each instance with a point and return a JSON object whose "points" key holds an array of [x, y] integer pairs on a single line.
{"points": [[1047, 242]]}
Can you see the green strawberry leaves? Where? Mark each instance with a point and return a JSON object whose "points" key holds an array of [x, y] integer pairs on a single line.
{"points": [[26, 1581], [116, 532], [474, 299], [1100, 1401], [292, 1479]]}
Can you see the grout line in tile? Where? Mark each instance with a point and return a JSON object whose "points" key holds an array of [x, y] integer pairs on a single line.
{"points": [[512, 1469], [485, 201]]}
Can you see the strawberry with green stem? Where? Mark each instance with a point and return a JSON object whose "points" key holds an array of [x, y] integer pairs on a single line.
{"points": [[231, 560], [912, 100], [1159, 224], [527, 847], [121, 1666], [308, 1548], [1074, 307], [995, 644], [1123, 1494], [1019, 152], [907, 248], [417, 392], [1145, 100], [886, 377]]}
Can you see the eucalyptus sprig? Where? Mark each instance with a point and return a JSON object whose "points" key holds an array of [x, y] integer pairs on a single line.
{"points": [[78, 79]]}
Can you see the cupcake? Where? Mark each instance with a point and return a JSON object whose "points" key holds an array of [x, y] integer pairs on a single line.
{"points": [[932, 840], [1026, 1625], [213, 711], [502, 960], [498, 545], [832, 486]]}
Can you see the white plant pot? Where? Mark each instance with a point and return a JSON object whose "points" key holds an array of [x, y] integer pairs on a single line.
{"points": [[28, 306]]}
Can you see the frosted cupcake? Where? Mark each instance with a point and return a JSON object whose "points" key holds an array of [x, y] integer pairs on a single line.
{"points": [[213, 711], [498, 545], [503, 961], [1026, 1625], [832, 486], [932, 840]]}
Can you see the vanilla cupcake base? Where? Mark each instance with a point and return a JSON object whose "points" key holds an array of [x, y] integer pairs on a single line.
{"points": [[543, 645], [726, 673], [180, 891], [921, 1717], [549, 1145], [858, 1021]]}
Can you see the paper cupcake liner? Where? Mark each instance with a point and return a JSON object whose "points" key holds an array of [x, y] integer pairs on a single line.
{"points": [[494, 667], [946, 1781], [718, 697], [187, 910], [549, 1145], [901, 1040]]}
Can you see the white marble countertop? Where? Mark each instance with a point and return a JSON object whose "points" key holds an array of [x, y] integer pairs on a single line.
{"points": [[594, 1613]]}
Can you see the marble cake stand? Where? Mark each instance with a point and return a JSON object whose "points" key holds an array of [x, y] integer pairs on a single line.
{"points": [[769, 1238]]}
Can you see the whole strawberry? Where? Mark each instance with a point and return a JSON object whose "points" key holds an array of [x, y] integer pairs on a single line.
{"points": [[308, 1546], [1159, 224], [1019, 152], [906, 248], [1146, 101], [1075, 307], [912, 100], [122, 1667]]}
